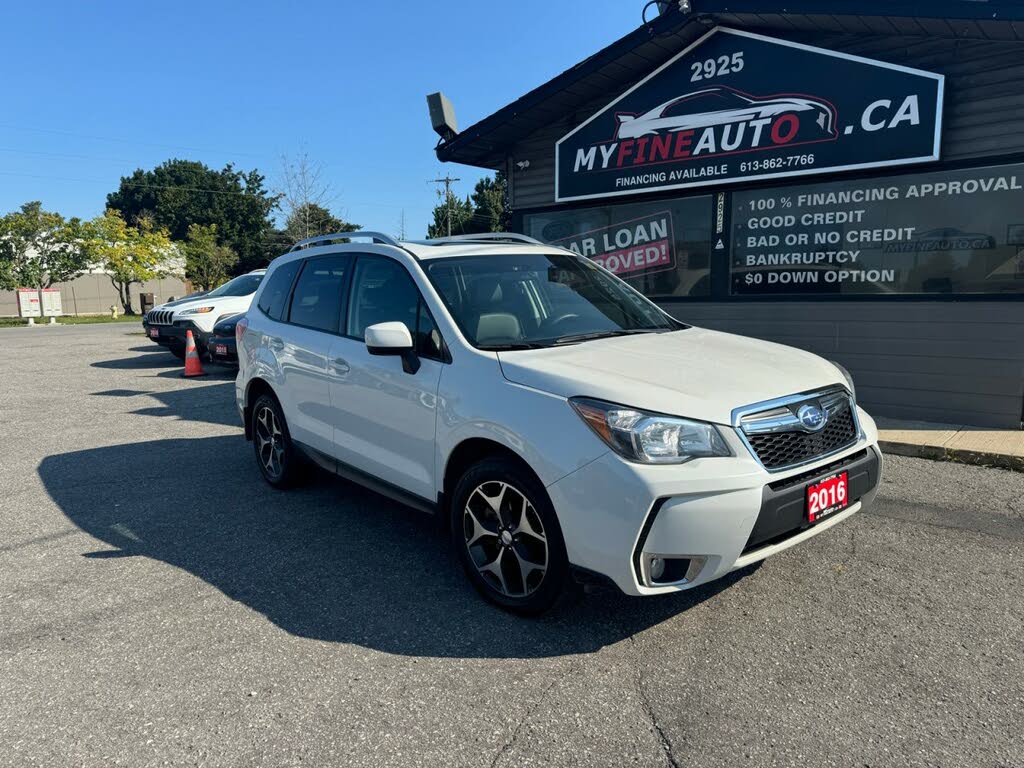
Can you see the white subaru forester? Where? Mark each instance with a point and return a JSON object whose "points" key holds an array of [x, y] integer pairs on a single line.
{"points": [[552, 414]]}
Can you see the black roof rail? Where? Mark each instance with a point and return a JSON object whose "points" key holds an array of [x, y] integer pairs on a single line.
{"points": [[377, 237], [487, 237]]}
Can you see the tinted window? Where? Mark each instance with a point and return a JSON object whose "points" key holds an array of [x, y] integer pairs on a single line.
{"points": [[317, 299], [383, 292], [275, 294], [427, 336]]}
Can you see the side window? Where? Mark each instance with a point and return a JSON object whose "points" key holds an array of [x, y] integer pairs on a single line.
{"points": [[427, 337], [383, 292], [319, 293], [274, 298]]}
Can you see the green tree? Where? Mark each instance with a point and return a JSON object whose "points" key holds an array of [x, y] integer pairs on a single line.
{"points": [[207, 264], [486, 210], [490, 204], [460, 213], [311, 219], [129, 254], [180, 193], [39, 248]]}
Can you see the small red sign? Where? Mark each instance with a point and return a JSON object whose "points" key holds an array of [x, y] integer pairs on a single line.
{"points": [[828, 496]]}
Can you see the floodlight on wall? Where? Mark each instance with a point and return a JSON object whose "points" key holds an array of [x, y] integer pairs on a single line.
{"points": [[442, 116]]}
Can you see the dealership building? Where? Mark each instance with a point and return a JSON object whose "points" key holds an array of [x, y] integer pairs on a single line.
{"points": [[843, 177]]}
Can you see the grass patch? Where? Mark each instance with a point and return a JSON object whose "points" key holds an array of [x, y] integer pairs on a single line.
{"points": [[10, 322]]}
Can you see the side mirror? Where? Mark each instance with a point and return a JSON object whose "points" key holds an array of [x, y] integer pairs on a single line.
{"points": [[392, 339]]}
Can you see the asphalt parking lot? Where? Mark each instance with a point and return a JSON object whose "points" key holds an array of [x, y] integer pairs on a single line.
{"points": [[159, 605]]}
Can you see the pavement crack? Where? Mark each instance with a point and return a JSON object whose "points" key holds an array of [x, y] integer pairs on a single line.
{"points": [[530, 711], [645, 703]]}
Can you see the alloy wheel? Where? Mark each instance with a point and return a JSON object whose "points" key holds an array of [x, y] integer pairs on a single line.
{"points": [[269, 442], [505, 538]]}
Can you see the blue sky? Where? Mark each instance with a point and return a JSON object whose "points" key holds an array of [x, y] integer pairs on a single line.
{"points": [[94, 90]]}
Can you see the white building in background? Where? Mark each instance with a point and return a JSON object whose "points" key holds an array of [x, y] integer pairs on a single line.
{"points": [[92, 293]]}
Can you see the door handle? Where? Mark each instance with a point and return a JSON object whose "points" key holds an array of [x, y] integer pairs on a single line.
{"points": [[275, 343], [340, 366]]}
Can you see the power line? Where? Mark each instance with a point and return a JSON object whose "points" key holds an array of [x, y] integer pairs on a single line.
{"points": [[117, 140], [173, 186], [447, 181]]}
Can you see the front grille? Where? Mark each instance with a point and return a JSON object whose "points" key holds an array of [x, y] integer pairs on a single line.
{"points": [[779, 440], [159, 316]]}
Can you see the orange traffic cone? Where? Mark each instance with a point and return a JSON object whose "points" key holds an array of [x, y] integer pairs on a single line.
{"points": [[193, 367]]}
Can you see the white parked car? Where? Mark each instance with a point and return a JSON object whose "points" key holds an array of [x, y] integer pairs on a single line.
{"points": [[167, 324], [556, 417]]}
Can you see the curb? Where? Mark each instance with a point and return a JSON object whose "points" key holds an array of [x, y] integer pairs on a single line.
{"points": [[939, 453]]}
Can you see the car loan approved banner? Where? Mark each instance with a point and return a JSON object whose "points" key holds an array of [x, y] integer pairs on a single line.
{"points": [[640, 246], [736, 106]]}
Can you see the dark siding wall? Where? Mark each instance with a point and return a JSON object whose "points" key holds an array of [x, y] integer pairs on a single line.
{"points": [[951, 362], [984, 108]]}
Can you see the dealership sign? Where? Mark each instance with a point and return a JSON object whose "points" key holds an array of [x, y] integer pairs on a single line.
{"points": [[736, 106]]}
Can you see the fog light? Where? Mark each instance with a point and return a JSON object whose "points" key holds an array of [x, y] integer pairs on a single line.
{"points": [[661, 570], [657, 568]]}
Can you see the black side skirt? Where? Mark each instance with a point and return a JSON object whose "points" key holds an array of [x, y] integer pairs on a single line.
{"points": [[359, 477]]}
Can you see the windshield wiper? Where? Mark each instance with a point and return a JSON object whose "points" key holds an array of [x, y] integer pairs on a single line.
{"points": [[604, 335], [512, 347]]}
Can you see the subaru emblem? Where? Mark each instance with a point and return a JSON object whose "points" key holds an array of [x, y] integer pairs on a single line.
{"points": [[812, 417]]}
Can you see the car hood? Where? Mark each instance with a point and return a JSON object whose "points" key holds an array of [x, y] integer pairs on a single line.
{"points": [[179, 306], [222, 304], [695, 372], [178, 302]]}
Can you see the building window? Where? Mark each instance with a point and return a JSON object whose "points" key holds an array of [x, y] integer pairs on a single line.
{"points": [[660, 248], [950, 232]]}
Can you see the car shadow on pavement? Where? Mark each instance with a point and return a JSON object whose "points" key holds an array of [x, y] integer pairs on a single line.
{"points": [[330, 561], [216, 406], [140, 362]]}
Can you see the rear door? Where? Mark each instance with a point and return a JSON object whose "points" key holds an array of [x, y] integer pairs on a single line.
{"points": [[303, 348], [386, 417]]}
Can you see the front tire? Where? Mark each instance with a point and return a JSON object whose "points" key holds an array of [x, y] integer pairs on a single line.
{"points": [[178, 352], [506, 533], [278, 458]]}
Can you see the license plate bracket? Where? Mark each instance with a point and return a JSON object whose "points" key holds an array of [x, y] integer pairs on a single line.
{"points": [[154, 333], [828, 496]]}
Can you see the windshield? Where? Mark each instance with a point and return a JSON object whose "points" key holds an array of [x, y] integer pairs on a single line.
{"points": [[240, 286], [540, 300]]}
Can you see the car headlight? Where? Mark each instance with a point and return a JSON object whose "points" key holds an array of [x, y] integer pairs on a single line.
{"points": [[197, 311], [650, 438], [848, 377]]}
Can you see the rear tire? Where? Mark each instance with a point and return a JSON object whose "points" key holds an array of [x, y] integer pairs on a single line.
{"points": [[507, 536], [278, 458]]}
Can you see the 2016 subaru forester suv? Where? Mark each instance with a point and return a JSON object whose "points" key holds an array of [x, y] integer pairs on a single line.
{"points": [[553, 415]]}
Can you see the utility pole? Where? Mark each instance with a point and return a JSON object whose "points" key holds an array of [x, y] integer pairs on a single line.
{"points": [[447, 181]]}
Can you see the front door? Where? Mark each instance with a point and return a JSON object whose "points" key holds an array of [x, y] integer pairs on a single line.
{"points": [[385, 416]]}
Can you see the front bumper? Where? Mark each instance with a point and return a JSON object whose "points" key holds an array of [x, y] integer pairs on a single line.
{"points": [[222, 350], [712, 515], [173, 336]]}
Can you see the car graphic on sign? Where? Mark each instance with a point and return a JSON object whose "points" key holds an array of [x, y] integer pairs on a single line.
{"points": [[718, 106]]}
